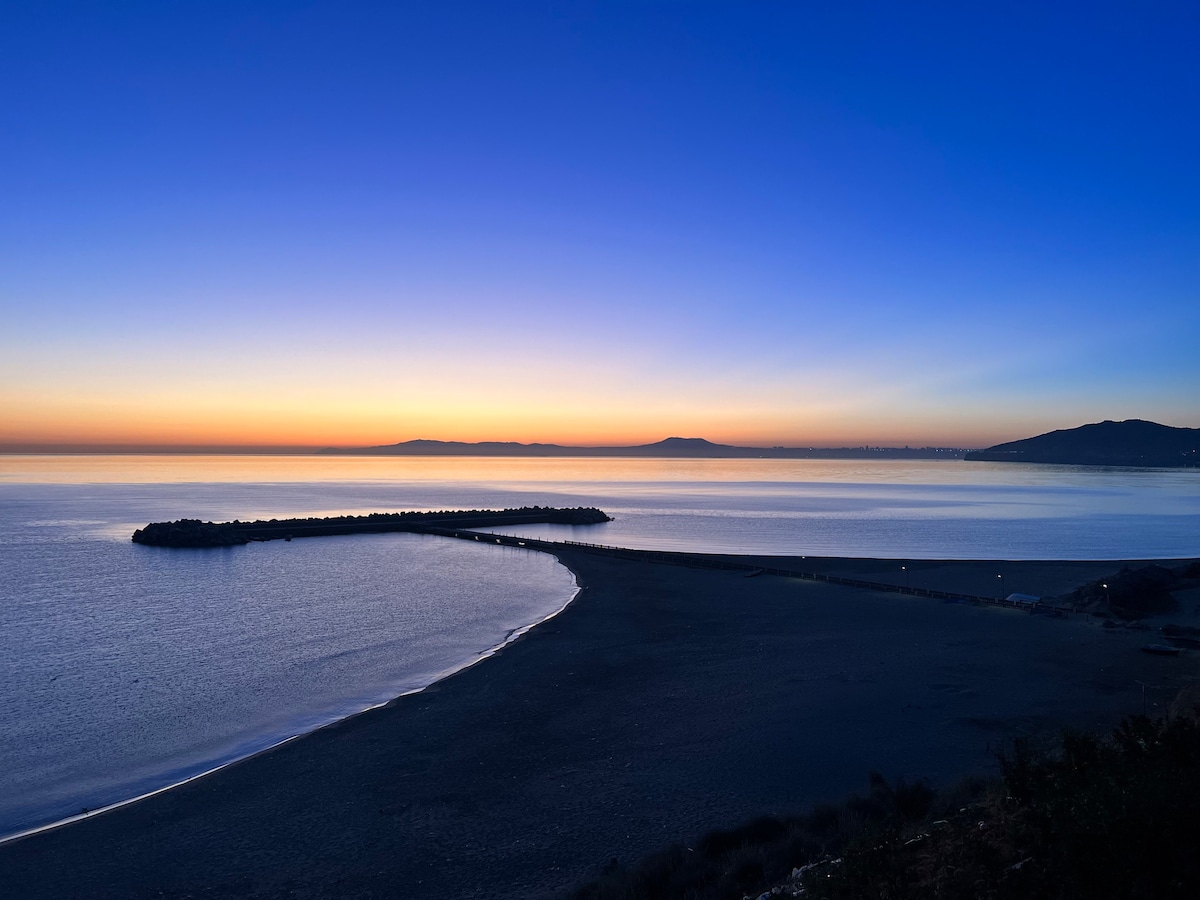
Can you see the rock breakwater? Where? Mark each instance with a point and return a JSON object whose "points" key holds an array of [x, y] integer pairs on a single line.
{"points": [[198, 534]]}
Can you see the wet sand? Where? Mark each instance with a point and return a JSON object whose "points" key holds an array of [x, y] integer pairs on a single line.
{"points": [[664, 702]]}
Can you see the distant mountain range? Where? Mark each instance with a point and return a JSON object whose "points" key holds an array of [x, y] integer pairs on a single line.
{"points": [[672, 447], [1133, 442], [1130, 443]]}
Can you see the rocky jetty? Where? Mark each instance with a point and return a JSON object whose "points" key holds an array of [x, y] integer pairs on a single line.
{"points": [[194, 533], [190, 533]]}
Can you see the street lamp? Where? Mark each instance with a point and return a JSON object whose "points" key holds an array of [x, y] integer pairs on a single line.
{"points": [[1107, 597], [1001, 577], [904, 569]]}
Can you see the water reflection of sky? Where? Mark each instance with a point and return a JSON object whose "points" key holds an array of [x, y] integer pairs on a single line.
{"points": [[837, 507]]}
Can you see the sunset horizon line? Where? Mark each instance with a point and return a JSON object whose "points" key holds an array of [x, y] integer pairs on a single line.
{"points": [[188, 447], [367, 444]]}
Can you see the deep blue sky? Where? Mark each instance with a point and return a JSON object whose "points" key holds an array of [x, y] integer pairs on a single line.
{"points": [[761, 222]]}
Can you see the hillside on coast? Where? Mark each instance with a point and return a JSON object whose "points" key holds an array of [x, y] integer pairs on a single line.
{"points": [[1134, 442], [670, 448]]}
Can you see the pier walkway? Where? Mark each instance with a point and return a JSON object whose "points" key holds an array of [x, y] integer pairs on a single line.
{"points": [[712, 561]]}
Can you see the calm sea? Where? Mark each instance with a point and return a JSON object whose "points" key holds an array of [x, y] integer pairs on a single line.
{"points": [[127, 668]]}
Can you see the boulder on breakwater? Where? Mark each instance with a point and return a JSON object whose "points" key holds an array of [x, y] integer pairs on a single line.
{"points": [[190, 533]]}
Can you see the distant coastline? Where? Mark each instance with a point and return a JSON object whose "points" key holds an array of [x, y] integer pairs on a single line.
{"points": [[670, 448], [1132, 443]]}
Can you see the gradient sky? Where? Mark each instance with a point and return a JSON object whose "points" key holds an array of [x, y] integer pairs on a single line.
{"points": [[606, 222]]}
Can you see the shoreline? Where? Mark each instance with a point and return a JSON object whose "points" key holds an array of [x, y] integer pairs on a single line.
{"points": [[513, 635], [653, 642]]}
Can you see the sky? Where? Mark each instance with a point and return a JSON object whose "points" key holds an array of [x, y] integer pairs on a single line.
{"points": [[765, 223]]}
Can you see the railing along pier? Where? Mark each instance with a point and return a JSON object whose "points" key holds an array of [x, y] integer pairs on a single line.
{"points": [[698, 561]]}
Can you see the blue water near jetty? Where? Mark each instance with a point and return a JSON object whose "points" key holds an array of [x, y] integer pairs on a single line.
{"points": [[1093, 516], [127, 668]]}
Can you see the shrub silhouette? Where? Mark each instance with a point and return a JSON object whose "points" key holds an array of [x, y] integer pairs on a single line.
{"points": [[1093, 818], [1101, 817]]}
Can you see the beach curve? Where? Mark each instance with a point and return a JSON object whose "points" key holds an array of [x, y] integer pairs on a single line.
{"points": [[662, 700]]}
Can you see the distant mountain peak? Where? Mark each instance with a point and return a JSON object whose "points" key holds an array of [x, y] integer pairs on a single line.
{"points": [[685, 446]]}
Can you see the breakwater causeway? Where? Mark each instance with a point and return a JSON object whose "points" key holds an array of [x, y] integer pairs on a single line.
{"points": [[195, 533], [461, 524]]}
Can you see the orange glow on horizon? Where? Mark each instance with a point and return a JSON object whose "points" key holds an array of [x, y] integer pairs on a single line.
{"points": [[265, 420], [288, 436]]}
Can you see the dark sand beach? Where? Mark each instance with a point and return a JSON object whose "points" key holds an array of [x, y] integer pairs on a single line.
{"points": [[664, 702]]}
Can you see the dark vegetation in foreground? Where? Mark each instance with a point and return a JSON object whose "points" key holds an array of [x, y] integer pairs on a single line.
{"points": [[1092, 817], [194, 533]]}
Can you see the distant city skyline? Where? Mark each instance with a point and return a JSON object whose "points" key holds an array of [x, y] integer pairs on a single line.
{"points": [[775, 224]]}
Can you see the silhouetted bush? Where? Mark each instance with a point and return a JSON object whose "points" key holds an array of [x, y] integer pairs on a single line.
{"points": [[1099, 818], [1093, 818], [735, 862]]}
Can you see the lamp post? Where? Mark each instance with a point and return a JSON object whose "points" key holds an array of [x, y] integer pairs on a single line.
{"points": [[1001, 577], [904, 569], [1107, 598]]}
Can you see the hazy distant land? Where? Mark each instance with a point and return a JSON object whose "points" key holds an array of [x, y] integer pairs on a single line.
{"points": [[671, 448], [1133, 442]]}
